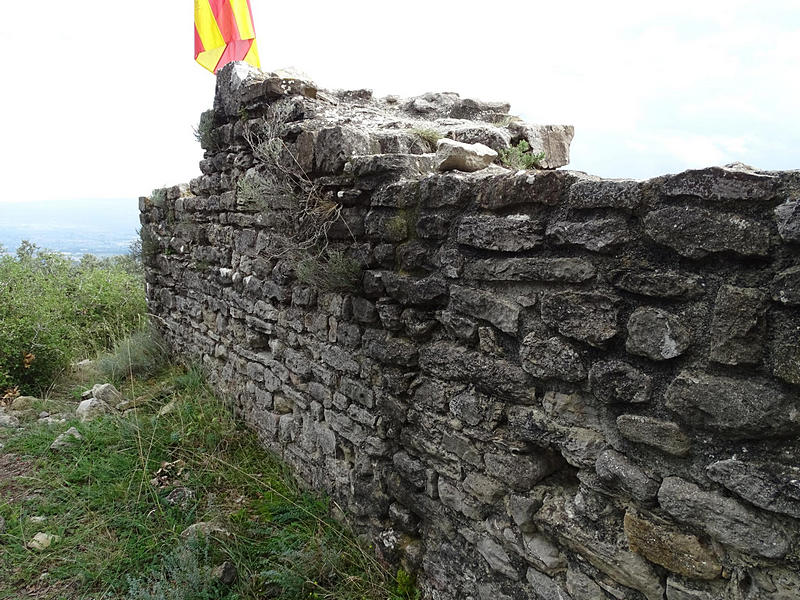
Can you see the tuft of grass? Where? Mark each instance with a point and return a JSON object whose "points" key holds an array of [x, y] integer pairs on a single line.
{"points": [[520, 157], [397, 228], [98, 497], [204, 132], [141, 354], [431, 136], [334, 272]]}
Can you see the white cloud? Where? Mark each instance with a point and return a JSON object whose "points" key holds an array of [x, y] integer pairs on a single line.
{"points": [[101, 101]]}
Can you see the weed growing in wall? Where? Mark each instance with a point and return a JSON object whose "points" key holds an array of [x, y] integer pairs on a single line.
{"points": [[520, 157], [333, 272], [431, 136], [204, 132]]}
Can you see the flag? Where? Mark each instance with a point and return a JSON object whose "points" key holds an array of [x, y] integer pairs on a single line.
{"points": [[223, 33]]}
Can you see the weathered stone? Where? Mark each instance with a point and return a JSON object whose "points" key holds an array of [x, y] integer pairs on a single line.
{"points": [[497, 558], [696, 589], [658, 284], [334, 146], [543, 553], [771, 486], [476, 133], [607, 193], [697, 232], [738, 326], [546, 587], [484, 489], [674, 550], [42, 541], [88, 410], [596, 235], [724, 519], [8, 421], [786, 351], [551, 358], [410, 290], [615, 382], [664, 435], [552, 140], [70, 437], [567, 270], [524, 188], [501, 312], [616, 471], [23, 403], [225, 573], [785, 288], [582, 587], [590, 317], [656, 334], [735, 408], [232, 81], [107, 393], [731, 182], [506, 234], [520, 471], [371, 170], [787, 216], [457, 156], [493, 376]]}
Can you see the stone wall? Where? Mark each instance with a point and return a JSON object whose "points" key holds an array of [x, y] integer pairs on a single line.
{"points": [[540, 384]]}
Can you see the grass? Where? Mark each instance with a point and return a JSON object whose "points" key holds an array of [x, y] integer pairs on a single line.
{"points": [[120, 537], [334, 272], [520, 157], [431, 136]]}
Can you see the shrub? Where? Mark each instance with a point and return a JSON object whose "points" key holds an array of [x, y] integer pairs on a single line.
{"points": [[54, 311], [429, 135], [520, 157], [333, 273], [204, 132]]}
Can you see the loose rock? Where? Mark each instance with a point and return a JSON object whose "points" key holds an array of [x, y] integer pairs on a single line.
{"points": [[457, 156]]}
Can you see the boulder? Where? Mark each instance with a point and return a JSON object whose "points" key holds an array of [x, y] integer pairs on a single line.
{"points": [[65, 440], [107, 393], [656, 334], [90, 409], [452, 155]]}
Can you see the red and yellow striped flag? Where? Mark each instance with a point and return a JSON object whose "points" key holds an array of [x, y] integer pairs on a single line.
{"points": [[224, 32]]}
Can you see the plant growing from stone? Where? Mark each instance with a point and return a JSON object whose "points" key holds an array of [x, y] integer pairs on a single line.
{"points": [[333, 272], [431, 136], [520, 157]]}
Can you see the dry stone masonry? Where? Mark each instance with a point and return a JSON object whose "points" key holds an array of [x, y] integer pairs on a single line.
{"points": [[520, 384]]}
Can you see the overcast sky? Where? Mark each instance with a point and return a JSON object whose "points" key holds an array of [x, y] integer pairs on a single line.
{"points": [[99, 97]]}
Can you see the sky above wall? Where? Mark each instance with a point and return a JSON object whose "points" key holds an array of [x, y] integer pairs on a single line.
{"points": [[99, 98]]}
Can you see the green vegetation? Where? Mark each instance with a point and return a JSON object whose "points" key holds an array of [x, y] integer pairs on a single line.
{"points": [[397, 228], [333, 272], [204, 132], [429, 135], [120, 499], [54, 312], [520, 157]]}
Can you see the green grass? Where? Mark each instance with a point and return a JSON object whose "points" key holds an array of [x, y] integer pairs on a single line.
{"points": [[121, 539], [520, 157], [333, 272]]}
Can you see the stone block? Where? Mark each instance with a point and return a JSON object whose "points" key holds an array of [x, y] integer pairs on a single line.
{"points": [[724, 519], [504, 234], [785, 287], [623, 194], [597, 235], [557, 270], [787, 217], [551, 358], [658, 283], [769, 485], [656, 334], [589, 317], [671, 548], [734, 408], [664, 435], [731, 182], [617, 382], [696, 232], [616, 471], [501, 312], [552, 140], [737, 330], [453, 155], [520, 472]]}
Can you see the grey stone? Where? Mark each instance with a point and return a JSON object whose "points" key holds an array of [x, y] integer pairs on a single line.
{"points": [[551, 358], [484, 489], [616, 471], [70, 437], [546, 587], [786, 351], [520, 472], [785, 288], [583, 587], [8, 421], [738, 326], [616, 382], [731, 182], [506, 234], [497, 558], [724, 519], [90, 409], [696, 232], [474, 134], [334, 146], [656, 334], [734, 408], [107, 393], [658, 283], [23, 403], [622, 194], [787, 216], [596, 235], [501, 312], [543, 553], [457, 156], [768, 485], [225, 573], [410, 290], [567, 270], [521, 509], [683, 589], [506, 189], [590, 317], [664, 435], [553, 140]]}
